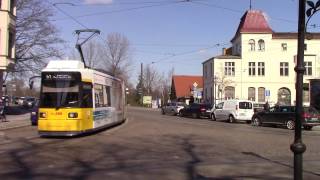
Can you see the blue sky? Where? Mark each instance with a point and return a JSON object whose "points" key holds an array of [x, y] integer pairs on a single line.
{"points": [[180, 35]]}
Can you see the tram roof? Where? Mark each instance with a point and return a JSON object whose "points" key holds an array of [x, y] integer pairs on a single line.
{"points": [[65, 64], [73, 65]]}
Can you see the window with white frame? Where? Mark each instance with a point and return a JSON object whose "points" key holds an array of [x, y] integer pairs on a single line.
{"points": [[308, 66], [229, 69], [251, 45], [252, 68], [261, 45], [284, 46], [284, 69], [11, 44], [261, 70], [12, 5]]}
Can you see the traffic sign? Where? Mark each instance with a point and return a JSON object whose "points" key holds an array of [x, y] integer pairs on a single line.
{"points": [[267, 93]]}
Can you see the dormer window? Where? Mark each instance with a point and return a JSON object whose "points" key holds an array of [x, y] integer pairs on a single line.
{"points": [[261, 45], [284, 46], [251, 45]]}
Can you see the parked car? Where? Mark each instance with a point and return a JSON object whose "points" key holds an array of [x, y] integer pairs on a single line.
{"points": [[233, 110], [196, 110], [34, 113], [172, 108], [21, 100], [29, 102], [258, 107], [285, 115]]}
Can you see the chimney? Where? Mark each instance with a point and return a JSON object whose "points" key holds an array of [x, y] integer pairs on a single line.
{"points": [[224, 51]]}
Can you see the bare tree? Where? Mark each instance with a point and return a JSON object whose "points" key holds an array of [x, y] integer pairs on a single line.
{"points": [[222, 81], [150, 79], [165, 85], [36, 37], [116, 55]]}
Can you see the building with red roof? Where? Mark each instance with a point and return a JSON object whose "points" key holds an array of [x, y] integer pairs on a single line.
{"points": [[259, 66], [186, 88]]}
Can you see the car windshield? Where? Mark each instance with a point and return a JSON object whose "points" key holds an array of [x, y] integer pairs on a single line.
{"points": [[60, 90], [180, 104], [310, 110]]}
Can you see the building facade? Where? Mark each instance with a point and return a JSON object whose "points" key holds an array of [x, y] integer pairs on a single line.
{"points": [[260, 64], [7, 36]]}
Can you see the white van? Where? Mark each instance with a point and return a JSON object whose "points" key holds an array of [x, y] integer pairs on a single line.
{"points": [[233, 110]]}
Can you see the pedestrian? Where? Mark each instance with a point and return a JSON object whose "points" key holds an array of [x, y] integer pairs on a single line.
{"points": [[266, 106], [2, 111]]}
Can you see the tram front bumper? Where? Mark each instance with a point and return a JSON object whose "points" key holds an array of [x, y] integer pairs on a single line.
{"points": [[58, 125]]}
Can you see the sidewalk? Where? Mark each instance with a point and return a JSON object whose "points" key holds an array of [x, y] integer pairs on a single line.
{"points": [[15, 121]]}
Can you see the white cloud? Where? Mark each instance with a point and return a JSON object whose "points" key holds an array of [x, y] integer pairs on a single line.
{"points": [[98, 1]]}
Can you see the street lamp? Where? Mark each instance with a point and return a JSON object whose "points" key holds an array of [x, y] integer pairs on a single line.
{"points": [[297, 147]]}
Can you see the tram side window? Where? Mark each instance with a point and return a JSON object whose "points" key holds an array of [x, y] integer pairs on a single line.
{"points": [[86, 95], [98, 94], [107, 98]]}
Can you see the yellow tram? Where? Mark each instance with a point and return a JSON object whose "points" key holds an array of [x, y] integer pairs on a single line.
{"points": [[76, 100]]}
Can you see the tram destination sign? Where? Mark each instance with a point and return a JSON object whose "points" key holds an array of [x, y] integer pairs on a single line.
{"points": [[62, 76]]}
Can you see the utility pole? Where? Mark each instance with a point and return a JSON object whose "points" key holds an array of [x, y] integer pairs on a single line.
{"points": [[141, 83]]}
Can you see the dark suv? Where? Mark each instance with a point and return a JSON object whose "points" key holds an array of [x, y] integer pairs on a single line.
{"points": [[285, 115], [196, 110]]}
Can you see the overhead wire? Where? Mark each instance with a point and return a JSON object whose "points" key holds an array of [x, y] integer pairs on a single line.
{"points": [[103, 40], [237, 11], [121, 10], [188, 52]]}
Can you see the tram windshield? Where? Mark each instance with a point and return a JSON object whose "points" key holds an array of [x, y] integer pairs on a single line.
{"points": [[60, 90]]}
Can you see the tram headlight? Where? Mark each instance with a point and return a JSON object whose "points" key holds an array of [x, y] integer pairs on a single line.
{"points": [[72, 115], [43, 115]]}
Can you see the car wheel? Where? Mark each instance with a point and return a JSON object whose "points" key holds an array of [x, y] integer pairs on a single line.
{"points": [[213, 117], [290, 124], [173, 113], [309, 128], [231, 119], [180, 114], [256, 122]]}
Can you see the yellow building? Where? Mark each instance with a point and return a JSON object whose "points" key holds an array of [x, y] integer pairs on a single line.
{"points": [[7, 35], [260, 64]]}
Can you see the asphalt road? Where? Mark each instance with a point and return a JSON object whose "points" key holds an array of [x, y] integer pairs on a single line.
{"points": [[152, 146]]}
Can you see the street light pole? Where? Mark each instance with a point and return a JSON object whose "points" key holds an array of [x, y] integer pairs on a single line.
{"points": [[297, 147]]}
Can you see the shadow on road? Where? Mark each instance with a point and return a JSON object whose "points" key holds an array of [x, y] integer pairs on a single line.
{"points": [[136, 158], [16, 110]]}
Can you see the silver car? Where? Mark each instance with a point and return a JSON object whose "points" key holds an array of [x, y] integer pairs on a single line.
{"points": [[173, 108]]}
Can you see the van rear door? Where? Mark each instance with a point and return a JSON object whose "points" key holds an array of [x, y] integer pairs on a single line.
{"points": [[245, 110]]}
